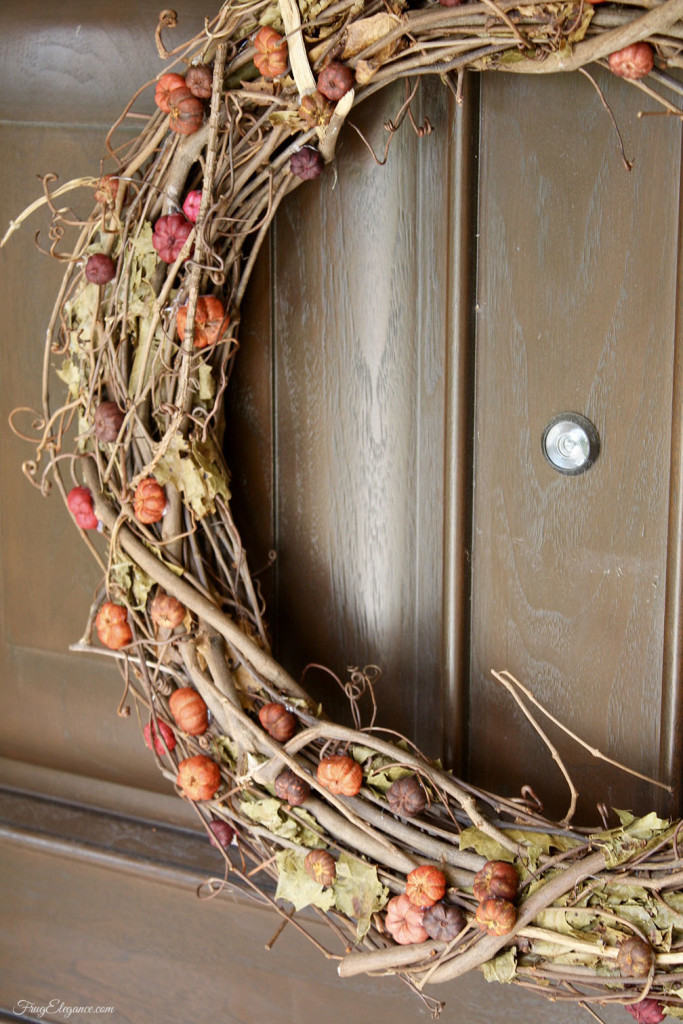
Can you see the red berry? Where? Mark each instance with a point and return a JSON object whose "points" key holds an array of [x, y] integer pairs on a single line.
{"points": [[223, 834], [100, 269], [191, 205], [170, 235]]}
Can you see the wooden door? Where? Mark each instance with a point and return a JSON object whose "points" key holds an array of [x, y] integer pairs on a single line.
{"points": [[408, 336]]}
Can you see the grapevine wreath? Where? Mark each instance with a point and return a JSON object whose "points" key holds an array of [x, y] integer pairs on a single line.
{"points": [[417, 873]]}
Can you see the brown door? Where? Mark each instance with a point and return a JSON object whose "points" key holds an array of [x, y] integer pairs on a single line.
{"points": [[413, 330]]}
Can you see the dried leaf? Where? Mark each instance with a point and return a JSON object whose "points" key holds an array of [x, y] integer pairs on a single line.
{"points": [[268, 812], [358, 892], [195, 471], [635, 835], [207, 384], [131, 579], [502, 968], [580, 31], [368, 31], [295, 885], [79, 314], [533, 844], [68, 372]]}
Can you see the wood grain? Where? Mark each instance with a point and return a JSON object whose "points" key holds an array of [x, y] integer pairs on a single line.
{"points": [[576, 310]]}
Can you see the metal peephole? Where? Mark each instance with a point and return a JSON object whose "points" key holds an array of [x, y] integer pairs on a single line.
{"points": [[570, 443]]}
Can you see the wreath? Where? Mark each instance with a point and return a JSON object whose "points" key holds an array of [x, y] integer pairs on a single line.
{"points": [[417, 873]]}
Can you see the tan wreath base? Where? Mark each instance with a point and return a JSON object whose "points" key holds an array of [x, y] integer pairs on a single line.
{"points": [[581, 895]]}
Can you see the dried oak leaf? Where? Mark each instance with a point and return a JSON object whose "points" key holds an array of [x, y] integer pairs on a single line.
{"points": [[367, 32]]}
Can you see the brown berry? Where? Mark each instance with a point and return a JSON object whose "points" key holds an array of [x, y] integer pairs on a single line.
{"points": [[497, 917], [199, 81], [634, 61], [108, 421], [635, 958], [307, 163], [277, 721], [291, 788], [100, 269], [443, 922], [320, 864], [406, 797], [223, 834], [496, 878], [315, 111], [335, 80]]}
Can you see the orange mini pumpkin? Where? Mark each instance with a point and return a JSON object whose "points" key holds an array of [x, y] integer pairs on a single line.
{"points": [[272, 53], [185, 112], [340, 774], [112, 626], [404, 921], [497, 917], [210, 320], [149, 502], [277, 721], [425, 885], [165, 86], [199, 777], [189, 711], [166, 611]]}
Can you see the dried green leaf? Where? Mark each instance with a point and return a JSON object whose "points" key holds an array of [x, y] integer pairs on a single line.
{"points": [[580, 31], [207, 385], [634, 836], [195, 471], [133, 582], [672, 1011], [295, 885], [269, 812], [226, 750], [533, 844], [79, 314], [358, 892], [502, 968], [70, 375]]}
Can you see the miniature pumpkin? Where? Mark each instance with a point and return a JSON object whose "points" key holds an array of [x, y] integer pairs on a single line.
{"points": [[199, 80], [646, 1011], [161, 735], [406, 797], [166, 611], [223, 834], [307, 163], [100, 268], [191, 205], [320, 864], [425, 885], [496, 916], [277, 721], [108, 421], [107, 190], [189, 711], [315, 111], [112, 626], [199, 777], [443, 922], [635, 958], [335, 80], [291, 788], [404, 921], [79, 501], [634, 61], [149, 503], [170, 235], [165, 86], [210, 320], [272, 53], [496, 878], [340, 774], [185, 112]]}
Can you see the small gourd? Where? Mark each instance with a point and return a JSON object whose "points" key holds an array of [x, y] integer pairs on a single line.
{"points": [[272, 53], [149, 503], [425, 885], [112, 626], [199, 777], [340, 774], [496, 916], [291, 788], [189, 711], [161, 736], [210, 320], [185, 112], [277, 721], [321, 866], [403, 921], [165, 611]]}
